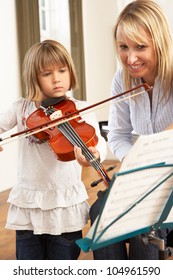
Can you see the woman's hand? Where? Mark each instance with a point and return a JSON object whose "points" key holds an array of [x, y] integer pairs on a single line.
{"points": [[81, 158], [1, 149]]}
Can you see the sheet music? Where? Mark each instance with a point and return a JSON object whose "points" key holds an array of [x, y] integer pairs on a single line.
{"points": [[128, 193]]}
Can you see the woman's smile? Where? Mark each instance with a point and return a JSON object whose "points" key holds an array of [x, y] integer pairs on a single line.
{"points": [[135, 68]]}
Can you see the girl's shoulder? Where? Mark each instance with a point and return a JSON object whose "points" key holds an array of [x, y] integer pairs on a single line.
{"points": [[22, 102], [20, 106], [79, 103], [15, 105]]}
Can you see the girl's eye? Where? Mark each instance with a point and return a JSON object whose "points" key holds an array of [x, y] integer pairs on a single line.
{"points": [[62, 70], [45, 74]]}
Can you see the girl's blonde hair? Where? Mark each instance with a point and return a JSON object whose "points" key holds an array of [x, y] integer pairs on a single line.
{"points": [[150, 17], [41, 56]]}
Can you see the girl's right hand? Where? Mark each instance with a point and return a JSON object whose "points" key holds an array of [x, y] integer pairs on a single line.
{"points": [[1, 149]]}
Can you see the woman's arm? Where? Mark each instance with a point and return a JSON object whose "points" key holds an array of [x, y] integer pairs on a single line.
{"points": [[119, 124]]}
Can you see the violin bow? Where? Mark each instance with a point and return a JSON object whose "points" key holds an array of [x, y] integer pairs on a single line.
{"points": [[70, 116]]}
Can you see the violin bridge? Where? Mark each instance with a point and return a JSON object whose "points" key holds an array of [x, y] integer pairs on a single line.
{"points": [[55, 115]]}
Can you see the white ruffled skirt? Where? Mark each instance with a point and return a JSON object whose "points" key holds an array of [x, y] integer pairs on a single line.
{"points": [[54, 221]]}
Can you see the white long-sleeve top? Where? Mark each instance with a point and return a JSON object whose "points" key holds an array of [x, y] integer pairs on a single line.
{"points": [[49, 196], [136, 115]]}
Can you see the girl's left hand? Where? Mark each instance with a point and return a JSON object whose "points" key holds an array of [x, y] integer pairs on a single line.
{"points": [[81, 158]]}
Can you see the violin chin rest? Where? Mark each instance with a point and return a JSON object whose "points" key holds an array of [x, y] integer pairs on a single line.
{"points": [[52, 101]]}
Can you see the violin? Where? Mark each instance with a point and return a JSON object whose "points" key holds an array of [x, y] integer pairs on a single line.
{"points": [[63, 137], [58, 122]]}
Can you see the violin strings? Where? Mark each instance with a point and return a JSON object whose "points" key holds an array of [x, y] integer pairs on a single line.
{"points": [[73, 137], [76, 140]]}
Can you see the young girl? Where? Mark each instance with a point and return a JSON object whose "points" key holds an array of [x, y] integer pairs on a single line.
{"points": [[144, 47], [48, 207]]}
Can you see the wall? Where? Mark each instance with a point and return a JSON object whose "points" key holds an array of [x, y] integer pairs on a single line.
{"points": [[9, 87], [98, 22]]}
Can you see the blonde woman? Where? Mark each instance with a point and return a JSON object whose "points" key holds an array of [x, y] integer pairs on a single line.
{"points": [[145, 49]]}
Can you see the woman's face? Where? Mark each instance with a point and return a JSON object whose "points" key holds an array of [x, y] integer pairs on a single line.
{"points": [[139, 58]]}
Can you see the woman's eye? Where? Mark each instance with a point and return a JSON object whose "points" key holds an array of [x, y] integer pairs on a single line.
{"points": [[123, 47], [141, 47]]}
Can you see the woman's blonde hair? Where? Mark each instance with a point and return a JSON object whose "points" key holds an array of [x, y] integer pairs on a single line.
{"points": [[41, 56], [150, 17]]}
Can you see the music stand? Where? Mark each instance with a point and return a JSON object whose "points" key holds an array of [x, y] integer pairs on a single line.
{"points": [[140, 197]]}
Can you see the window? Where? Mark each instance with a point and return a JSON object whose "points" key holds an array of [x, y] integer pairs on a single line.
{"points": [[55, 21]]}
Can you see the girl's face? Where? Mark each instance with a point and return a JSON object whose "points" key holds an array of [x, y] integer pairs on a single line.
{"points": [[139, 58], [54, 82]]}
